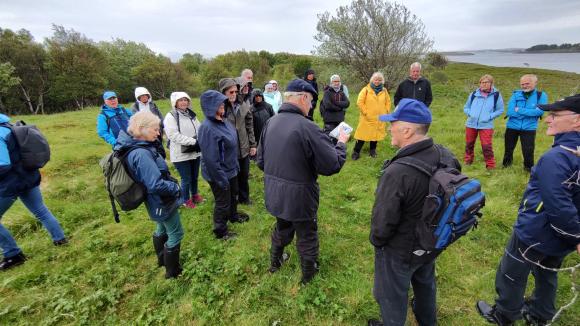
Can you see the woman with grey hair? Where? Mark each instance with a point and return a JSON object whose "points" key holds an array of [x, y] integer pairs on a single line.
{"points": [[148, 168], [334, 104]]}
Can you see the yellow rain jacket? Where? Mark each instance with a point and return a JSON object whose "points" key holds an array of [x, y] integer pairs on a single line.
{"points": [[372, 105]]}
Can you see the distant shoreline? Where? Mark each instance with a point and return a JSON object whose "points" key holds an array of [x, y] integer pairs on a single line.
{"points": [[551, 51]]}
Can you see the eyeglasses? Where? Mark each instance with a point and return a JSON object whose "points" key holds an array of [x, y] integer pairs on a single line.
{"points": [[232, 92], [554, 115], [111, 98]]}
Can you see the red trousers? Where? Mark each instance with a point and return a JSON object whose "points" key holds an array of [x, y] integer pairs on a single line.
{"points": [[485, 137]]}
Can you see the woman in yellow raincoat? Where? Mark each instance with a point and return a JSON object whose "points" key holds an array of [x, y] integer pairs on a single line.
{"points": [[373, 100]]}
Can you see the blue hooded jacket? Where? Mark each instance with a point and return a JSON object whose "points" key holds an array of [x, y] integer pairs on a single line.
{"points": [[218, 141], [528, 113], [481, 111], [149, 168], [14, 179], [548, 213], [118, 120]]}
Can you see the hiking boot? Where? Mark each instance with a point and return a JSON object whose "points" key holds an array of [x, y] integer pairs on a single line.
{"points": [[355, 156], [278, 257], [197, 199], [530, 319], [171, 259], [373, 153], [491, 315], [159, 245], [60, 242], [240, 218], [309, 269], [228, 236], [9, 262], [375, 322]]}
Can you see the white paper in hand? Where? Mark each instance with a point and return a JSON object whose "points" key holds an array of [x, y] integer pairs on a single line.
{"points": [[344, 126]]}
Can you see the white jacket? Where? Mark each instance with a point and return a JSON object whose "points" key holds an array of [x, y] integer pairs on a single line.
{"points": [[187, 136]]}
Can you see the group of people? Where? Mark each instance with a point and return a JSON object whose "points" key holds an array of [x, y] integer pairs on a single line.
{"points": [[293, 151]]}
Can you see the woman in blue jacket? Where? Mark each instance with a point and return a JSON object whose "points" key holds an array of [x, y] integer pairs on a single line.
{"points": [[148, 167], [523, 115], [17, 182], [219, 162], [482, 107]]}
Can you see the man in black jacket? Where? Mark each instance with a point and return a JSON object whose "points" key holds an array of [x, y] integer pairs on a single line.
{"points": [[292, 152], [415, 87], [399, 200]]}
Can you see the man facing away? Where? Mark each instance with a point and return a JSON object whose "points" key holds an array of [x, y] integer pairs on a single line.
{"points": [[398, 207], [292, 152], [547, 228], [415, 87]]}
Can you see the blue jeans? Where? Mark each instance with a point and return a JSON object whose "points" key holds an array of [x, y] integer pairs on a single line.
{"points": [[393, 276], [172, 227], [189, 172], [32, 199]]}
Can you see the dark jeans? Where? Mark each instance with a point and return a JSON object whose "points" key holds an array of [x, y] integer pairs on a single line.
{"points": [[189, 172], [359, 144], [512, 277], [393, 276], [306, 237], [226, 205], [243, 176], [528, 141]]}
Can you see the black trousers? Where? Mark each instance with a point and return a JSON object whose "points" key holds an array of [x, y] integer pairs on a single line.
{"points": [[511, 280], [528, 141], [225, 207], [306, 237], [359, 144], [243, 176]]}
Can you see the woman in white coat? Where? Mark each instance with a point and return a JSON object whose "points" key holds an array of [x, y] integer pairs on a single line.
{"points": [[181, 126]]}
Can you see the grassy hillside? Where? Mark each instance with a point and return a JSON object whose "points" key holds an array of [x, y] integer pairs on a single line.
{"points": [[108, 273]]}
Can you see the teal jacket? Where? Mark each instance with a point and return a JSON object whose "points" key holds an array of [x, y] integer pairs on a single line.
{"points": [[527, 115]]}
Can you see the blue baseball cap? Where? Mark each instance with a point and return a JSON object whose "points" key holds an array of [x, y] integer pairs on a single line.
{"points": [[299, 85], [409, 110], [108, 94]]}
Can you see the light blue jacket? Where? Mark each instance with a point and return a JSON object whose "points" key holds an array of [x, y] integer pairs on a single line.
{"points": [[481, 111], [526, 118], [117, 121]]}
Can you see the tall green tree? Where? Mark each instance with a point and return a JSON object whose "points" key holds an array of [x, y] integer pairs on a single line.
{"points": [[159, 74], [371, 35], [28, 59], [76, 67], [7, 81], [122, 57]]}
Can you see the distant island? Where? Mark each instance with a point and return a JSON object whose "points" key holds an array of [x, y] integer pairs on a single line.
{"points": [[554, 48]]}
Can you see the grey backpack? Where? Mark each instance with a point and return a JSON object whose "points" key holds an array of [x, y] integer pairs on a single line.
{"points": [[120, 185], [33, 146]]}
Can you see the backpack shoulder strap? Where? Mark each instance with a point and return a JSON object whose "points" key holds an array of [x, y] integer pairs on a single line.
{"points": [[175, 115], [472, 97], [417, 164], [495, 98], [538, 96]]}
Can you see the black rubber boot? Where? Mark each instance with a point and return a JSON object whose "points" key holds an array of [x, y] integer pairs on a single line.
{"points": [[309, 269], [171, 258], [159, 244], [13, 261], [491, 315], [373, 153], [277, 258]]}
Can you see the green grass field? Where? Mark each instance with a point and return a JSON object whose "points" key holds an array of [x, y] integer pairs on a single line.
{"points": [[108, 274]]}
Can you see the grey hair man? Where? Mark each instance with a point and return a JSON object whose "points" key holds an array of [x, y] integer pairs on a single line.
{"points": [[292, 152], [415, 87]]}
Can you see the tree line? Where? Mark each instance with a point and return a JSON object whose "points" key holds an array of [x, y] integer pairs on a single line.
{"points": [[69, 71], [564, 47]]}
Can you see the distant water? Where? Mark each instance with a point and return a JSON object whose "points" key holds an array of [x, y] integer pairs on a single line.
{"points": [[569, 62]]}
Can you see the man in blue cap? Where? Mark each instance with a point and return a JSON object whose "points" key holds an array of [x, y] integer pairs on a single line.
{"points": [[292, 152], [547, 228], [112, 119], [398, 207]]}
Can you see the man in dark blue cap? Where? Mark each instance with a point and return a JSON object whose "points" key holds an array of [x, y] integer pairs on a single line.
{"points": [[398, 207], [292, 152], [547, 228], [112, 119]]}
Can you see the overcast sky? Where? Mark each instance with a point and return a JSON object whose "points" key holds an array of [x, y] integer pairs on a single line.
{"points": [[212, 27]]}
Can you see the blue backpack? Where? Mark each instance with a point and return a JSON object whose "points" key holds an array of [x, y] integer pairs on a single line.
{"points": [[452, 206]]}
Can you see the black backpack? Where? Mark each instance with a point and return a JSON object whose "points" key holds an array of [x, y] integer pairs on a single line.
{"points": [[451, 208], [33, 146]]}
